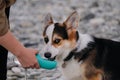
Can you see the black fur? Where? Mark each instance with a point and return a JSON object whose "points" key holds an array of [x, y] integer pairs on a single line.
{"points": [[77, 35], [61, 31], [108, 58], [83, 54], [70, 55]]}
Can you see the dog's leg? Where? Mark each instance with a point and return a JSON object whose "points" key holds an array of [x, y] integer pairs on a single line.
{"points": [[96, 77]]}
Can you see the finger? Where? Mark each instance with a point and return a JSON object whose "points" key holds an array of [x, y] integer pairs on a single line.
{"points": [[37, 66], [26, 66], [36, 51], [32, 66]]}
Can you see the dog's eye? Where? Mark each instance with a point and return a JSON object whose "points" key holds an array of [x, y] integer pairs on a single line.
{"points": [[46, 39], [56, 41]]}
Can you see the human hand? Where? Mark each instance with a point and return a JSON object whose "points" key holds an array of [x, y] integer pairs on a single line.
{"points": [[28, 59], [26, 56]]}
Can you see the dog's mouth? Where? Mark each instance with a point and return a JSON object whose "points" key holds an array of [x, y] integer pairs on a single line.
{"points": [[52, 59]]}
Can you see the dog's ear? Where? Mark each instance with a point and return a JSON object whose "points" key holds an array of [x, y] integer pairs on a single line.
{"points": [[48, 20], [72, 21]]}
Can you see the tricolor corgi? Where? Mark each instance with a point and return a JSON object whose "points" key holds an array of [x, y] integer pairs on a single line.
{"points": [[80, 56]]}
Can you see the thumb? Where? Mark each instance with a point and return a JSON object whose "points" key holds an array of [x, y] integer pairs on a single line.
{"points": [[35, 52]]}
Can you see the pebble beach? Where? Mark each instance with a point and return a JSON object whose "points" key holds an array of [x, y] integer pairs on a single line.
{"points": [[100, 18]]}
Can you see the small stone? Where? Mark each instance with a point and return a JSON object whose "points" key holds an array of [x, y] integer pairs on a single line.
{"points": [[73, 7], [12, 78], [95, 4], [11, 64], [88, 16], [20, 75], [26, 24], [35, 73], [16, 69], [96, 21], [10, 73]]}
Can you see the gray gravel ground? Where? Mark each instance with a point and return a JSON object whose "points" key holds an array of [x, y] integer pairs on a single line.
{"points": [[100, 18]]}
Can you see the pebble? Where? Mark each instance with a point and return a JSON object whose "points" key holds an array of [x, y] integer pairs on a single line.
{"points": [[89, 16], [16, 69], [11, 64], [96, 21], [26, 24], [9, 73], [100, 18], [12, 78]]}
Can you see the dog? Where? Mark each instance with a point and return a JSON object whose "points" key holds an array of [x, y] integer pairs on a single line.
{"points": [[80, 56]]}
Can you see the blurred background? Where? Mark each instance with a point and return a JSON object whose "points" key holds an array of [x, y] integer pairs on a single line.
{"points": [[100, 18]]}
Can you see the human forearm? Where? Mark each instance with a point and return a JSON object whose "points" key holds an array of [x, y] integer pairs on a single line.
{"points": [[11, 43]]}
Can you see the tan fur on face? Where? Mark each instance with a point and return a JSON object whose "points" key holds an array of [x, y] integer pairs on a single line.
{"points": [[71, 41], [71, 37], [56, 36]]}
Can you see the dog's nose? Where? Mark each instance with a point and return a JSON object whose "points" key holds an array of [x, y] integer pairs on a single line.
{"points": [[47, 54]]}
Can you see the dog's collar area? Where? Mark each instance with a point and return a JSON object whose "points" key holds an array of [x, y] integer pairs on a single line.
{"points": [[83, 54], [74, 50], [71, 54], [77, 35]]}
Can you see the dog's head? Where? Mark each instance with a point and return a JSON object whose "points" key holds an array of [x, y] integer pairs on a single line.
{"points": [[60, 38]]}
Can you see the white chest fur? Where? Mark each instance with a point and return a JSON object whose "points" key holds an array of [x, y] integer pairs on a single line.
{"points": [[73, 70]]}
